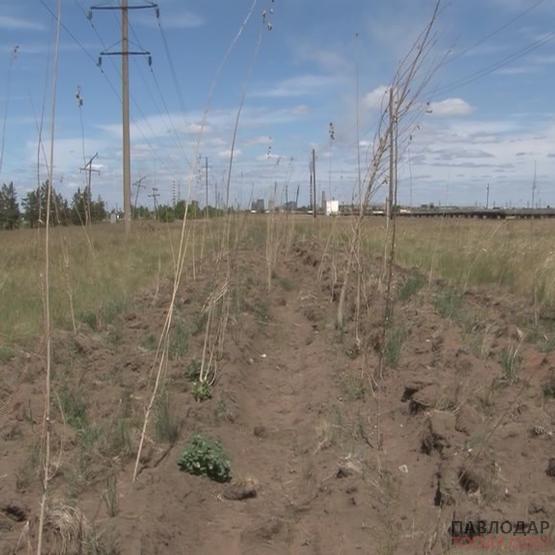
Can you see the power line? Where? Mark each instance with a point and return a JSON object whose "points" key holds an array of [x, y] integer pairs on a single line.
{"points": [[494, 32], [487, 70]]}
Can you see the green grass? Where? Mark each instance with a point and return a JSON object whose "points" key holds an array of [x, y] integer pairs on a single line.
{"points": [[395, 337], [448, 303], [411, 286], [102, 284]]}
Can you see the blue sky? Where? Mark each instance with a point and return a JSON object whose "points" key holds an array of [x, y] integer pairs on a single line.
{"points": [[491, 130]]}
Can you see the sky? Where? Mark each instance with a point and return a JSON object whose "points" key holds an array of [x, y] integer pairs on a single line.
{"points": [[490, 119]]}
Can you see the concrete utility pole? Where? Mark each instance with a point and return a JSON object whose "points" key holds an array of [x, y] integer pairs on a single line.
{"points": [[88, 194], [125, 115], [125, 53], [314, 207]]}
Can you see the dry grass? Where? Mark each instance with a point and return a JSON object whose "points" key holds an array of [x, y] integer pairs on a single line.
{"points": [[515, 256], [103, 279]]}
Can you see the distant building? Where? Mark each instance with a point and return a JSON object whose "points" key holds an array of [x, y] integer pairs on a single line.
{"points": [[332, 207]]}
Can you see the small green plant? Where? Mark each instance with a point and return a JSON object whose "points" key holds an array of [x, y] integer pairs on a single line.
{"points": [[353, 387], [222, 412], [201, 391], [510, 362], [166, 425], [193, 370], [549, 388], [393, 344], [448, 303], [74, 408], [411, 286], [6, 353], [205, 456]]}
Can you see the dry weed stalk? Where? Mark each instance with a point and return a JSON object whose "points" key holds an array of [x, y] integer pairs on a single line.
{"points": [[46, 424]]}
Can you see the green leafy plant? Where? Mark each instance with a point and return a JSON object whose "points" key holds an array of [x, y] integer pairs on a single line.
{"points": [[201, 391], [203, 456]]}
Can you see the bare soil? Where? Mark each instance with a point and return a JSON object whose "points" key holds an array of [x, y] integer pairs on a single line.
{"points": [[332, 460]]}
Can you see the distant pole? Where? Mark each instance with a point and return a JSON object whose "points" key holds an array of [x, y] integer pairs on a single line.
{"points": [[88, 194], [314, 208], [286, 197], [139, 185], [154, 195], [487, 196]]}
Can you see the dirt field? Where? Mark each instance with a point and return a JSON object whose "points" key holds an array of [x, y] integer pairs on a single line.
{"points": [[326, 457]]}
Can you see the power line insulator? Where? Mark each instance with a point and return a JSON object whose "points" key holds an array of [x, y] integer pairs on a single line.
{"points": [[90, 15], [150, 61], [157, 13], [99, 63]]}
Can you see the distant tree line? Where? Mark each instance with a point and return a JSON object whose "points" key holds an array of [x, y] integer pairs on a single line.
{"points": [[31, 211]]}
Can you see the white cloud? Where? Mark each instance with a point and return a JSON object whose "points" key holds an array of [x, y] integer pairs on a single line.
{"points": [[301, 85], [261, 140], [9, 22], [374, 100], [227, 153], [451, 107]]}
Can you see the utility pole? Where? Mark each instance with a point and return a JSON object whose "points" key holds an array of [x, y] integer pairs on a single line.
{"points": [[173, 193], [139, 185], [487, 196], [125, 53], [314, 208], [154, 195], [287, 197], [297, 198], [88, 195]]}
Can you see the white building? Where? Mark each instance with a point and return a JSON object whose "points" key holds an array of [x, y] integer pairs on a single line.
{"points": [[332, 207]]}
